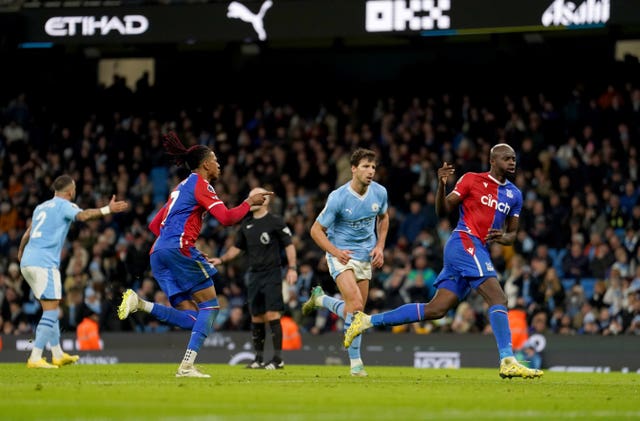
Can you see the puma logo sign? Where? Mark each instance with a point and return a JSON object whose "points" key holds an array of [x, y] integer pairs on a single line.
{"points": [[238, 10]]}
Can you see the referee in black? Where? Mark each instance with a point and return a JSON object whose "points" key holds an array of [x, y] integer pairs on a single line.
{"points": [[262, 236]]}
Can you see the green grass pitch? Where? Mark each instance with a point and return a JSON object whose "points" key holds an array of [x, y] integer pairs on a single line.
{"points": [[151, 392]]}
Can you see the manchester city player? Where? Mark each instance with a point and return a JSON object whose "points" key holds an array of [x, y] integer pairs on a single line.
{"points": [[39, 255], [352, 230]]}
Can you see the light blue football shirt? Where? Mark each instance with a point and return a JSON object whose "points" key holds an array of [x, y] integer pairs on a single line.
{"points": [[350, 219], [49, 228]]}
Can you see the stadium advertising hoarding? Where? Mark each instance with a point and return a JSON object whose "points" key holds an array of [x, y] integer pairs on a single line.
{"points": [[314, 19], [597, 353]]}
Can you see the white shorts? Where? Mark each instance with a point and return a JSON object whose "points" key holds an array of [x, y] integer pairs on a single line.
{"points": [[44, 282], [361, 269]]}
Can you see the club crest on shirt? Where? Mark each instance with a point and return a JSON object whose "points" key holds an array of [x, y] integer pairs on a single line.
{"points": [[265, 238], [210, 189], [489, 266], [509, 194], [375, 207]]}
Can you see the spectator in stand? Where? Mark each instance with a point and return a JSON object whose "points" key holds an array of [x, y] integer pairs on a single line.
{"points": [[413, 222], [631, 241], [634, 218], [597, 298], [614, 295], [418, 283], [515, 270], [615, 216], [590, 249], [601, 262], [630, 197], [552, 291], [539, 324], [589, 325], [575, 264], [631, 314], [528, 284], [542, 253]]}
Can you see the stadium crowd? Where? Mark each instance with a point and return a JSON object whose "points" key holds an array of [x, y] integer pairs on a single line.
{"points": [[575, 268]]}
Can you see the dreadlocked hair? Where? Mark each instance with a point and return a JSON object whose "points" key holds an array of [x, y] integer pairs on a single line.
{"points": [[191, 158]]}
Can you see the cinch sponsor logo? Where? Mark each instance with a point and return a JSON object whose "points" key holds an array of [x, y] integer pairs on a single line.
{"points": [[436, 360], [399, 15], [69, 26], [561, 13], [488, 200]]}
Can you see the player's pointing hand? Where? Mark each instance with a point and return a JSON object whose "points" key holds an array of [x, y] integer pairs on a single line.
{"points": [[445, 172]]}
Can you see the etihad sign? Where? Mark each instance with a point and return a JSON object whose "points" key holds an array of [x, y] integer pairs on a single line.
{"points": [[87, 26], [566, 13]]}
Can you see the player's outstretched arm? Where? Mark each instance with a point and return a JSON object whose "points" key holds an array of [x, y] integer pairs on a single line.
{"points": [[114, 206], [232, 216]]}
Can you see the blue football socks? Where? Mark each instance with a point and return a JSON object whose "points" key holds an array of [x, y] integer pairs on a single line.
{"points": [[45, 331], [500, 325], [408, 313], [208, 310], [184, 319], [336, 306], [333, 305]]}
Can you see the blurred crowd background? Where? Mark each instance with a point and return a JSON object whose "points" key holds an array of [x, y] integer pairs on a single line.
{"points": [[574, 270]]}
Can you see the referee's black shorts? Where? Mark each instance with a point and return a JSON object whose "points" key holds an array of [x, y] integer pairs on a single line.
{"points": [[264, 291]]}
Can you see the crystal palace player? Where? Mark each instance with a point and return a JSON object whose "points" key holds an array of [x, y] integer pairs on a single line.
{"points": [[489, 210], [181, 270]]}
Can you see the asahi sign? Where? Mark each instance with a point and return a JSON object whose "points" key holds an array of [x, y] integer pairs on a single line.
{"points": [[566, 13], [90, 26]]}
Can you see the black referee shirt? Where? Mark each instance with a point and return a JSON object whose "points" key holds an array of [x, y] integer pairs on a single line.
{"points": [[263, 240]]}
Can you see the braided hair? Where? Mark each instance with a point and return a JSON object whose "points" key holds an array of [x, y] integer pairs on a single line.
{"points": [[190, 158]]}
